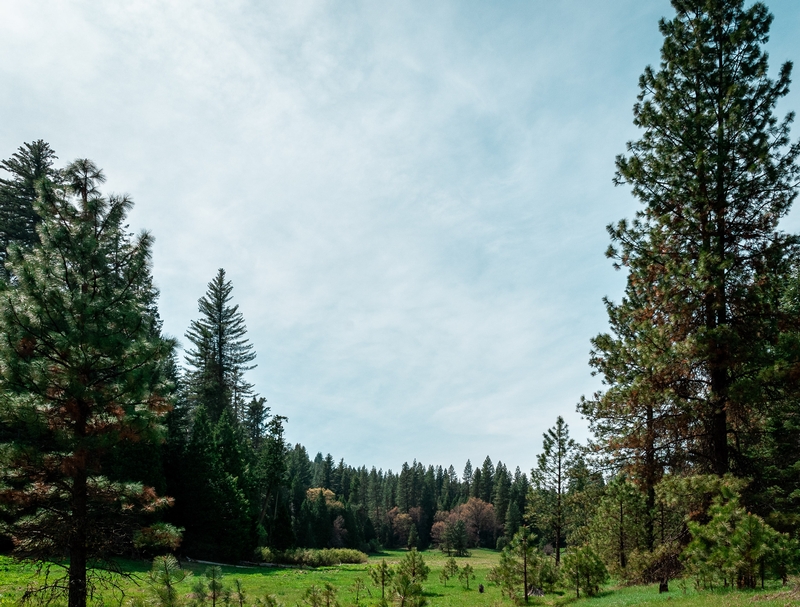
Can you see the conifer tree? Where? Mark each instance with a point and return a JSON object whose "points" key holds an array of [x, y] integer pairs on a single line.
{"points": [[551, 481], [706, 263], [221, 352], [26, 168], [81, 372]]}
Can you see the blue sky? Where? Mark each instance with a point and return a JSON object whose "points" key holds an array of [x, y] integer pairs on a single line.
{"points": [[410, 198]]}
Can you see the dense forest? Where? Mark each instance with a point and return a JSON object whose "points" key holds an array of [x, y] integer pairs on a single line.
{"points": [[114, 444]]}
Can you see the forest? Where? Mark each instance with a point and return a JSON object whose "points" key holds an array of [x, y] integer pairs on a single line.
{"points": [[115, 444]]}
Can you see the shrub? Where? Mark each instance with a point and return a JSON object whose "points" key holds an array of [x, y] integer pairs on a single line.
{"points": [[309, 557]]}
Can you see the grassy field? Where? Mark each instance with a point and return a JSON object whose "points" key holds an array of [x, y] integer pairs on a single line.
{"points": [[289, 584]]}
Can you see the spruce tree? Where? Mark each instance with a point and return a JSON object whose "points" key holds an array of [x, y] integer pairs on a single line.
{"points": [[706, 262], [221, 352], [81, 373]]}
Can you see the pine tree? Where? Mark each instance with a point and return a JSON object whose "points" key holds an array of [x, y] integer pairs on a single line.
{"points": [[221, 353], [27, 167], [80, 373], [705, 259], [551, 481]]}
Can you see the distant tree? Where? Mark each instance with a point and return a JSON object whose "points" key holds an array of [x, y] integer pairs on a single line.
{"points": [[81, 373], [456, 538], [487, 480], [272, 477], [551, 481], [221, 528], [221, 352], [257, 415], [502, 492], [27, 167], [466, 481], [518, 566], [466, 574], [450, 570]]}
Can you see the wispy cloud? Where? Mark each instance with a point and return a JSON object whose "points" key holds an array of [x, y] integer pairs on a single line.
{"points": [[410, 198]]}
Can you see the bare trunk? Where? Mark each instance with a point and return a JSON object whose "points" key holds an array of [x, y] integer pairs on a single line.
{"points": [[77, 547]]}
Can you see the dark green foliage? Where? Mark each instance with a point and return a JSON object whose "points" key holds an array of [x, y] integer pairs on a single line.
{"points": [[221, 528], [618, 525], [27, 167], [81, 375], [692, 359], [221, 352], [466, 574], [583, 570], [551, 477]]}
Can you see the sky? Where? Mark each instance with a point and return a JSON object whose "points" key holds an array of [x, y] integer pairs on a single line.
{"points": [[410, 198]]}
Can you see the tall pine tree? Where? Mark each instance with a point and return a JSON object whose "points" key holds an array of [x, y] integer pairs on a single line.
{"points": [[706, 262], [81, 372], [221, 352]]}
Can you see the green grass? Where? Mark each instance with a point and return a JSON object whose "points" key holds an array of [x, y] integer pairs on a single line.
{"points": [[289, 584]]}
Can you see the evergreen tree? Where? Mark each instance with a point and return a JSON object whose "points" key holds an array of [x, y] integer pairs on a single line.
{"points": [[487, 480], [705, 259], [219, 529], [221, 352], [551, 481], [80, 373], [27, 167]]}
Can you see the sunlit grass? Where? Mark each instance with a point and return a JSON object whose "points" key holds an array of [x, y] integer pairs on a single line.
{"points": [[289, 584]]}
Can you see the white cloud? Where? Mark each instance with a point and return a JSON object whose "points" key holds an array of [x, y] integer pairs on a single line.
{"points": [[410, 198]]}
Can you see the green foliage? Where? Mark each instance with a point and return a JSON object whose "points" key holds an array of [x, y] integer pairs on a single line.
{"points": [[214, 584], [381, 575], [618, 526], [81, 372], [27, 167], [583, 570], [313, 596], [413, 538], [455, 540], [158, 537], [413, 566], [522, 567], [221, 352], [450, 570], [466, 574], [547, 505], [735, 546], [358, 587], [407, 592], [311, 557], [329, 595], [164, 577]]}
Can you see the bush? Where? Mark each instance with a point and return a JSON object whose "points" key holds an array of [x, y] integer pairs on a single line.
{"points": [[309, 557], [583, 569]]}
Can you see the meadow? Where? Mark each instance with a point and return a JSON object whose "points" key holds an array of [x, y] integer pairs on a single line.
{"points": [[288, 584]]}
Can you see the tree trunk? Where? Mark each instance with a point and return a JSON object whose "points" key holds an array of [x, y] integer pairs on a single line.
{"points": [[650, 480], [77, 548]]}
